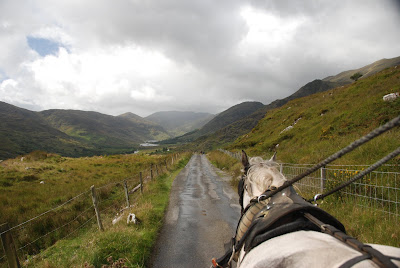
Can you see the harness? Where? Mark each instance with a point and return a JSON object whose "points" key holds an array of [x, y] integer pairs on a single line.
{"points": [[287, 212]]}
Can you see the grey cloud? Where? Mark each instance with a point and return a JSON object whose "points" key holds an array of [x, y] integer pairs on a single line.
{"points": [[202, 39]]}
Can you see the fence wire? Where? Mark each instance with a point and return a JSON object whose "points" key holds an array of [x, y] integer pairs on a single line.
{"points": [[379, 190]]}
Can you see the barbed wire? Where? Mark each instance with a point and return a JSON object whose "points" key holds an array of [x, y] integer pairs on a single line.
{"points": [[55, 229], [80, 227], [44, 213]]}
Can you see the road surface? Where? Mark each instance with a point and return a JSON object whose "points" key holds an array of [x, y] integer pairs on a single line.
{"points": [[202, 215]]}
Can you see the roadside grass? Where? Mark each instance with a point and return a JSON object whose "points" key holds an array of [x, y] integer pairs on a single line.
{"points": [[364, 223], [130, 244], [24, 197], [228, 164]]}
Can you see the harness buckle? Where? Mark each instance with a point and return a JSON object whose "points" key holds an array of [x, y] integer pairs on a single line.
{"points": [[315, 199], [260, 196]]}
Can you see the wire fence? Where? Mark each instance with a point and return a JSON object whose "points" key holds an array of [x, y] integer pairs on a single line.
{"points": [[378, 190], [33, 235]]}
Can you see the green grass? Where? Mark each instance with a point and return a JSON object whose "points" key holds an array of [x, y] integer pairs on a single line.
{"points": [[23, 197], [348, 113], [131, 243]]}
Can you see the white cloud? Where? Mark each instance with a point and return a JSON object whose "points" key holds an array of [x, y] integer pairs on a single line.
{"points": [[146, 56]]}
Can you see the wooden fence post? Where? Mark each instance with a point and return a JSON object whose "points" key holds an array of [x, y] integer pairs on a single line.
{"points": [[151, 171], [94, 198], [323, 178], [141, 182], [126, 194], [157, 170], [9, 246]]}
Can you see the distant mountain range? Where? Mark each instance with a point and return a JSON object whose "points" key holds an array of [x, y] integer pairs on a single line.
{"points": [[77, 133], [227, 117], [178, 123], [72, 132]]}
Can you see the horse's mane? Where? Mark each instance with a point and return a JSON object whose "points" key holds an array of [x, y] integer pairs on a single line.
{"points": [[264, 174]]}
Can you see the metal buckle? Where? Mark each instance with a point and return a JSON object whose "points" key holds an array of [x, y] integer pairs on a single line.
{"points": [[260, 196], [315, 199]]}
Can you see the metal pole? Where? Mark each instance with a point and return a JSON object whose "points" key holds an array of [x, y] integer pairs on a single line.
{"points": [[323, 177]]}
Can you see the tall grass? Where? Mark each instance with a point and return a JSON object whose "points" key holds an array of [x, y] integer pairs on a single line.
{"points": [[130, 244], [23, 196], [226, 163]]}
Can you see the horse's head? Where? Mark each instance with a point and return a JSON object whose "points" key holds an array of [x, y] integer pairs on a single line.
{"points": [[259, 176]]}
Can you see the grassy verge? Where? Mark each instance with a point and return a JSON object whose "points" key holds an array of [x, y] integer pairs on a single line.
{"points": [[130, 245], [226, 163], [366, 224]]}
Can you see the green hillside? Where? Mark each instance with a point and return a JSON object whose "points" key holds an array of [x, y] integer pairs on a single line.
{"points": [[328, 121], [23, 131], [220, 121], [153, 131], [178, 123]]}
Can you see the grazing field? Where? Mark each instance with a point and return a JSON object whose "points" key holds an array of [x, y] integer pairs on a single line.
{"points": [[58, 190], [366, 224]]}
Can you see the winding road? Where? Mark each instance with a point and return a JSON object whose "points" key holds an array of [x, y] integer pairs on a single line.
{"points": [[202, 215]]}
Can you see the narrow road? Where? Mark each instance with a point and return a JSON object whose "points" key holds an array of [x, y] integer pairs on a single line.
{"points": [[202, 215]]}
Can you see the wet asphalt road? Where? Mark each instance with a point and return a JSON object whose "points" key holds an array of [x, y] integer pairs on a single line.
{"points": [[202, 215]]}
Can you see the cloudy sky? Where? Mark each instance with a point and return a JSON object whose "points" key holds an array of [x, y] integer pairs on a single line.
{"points": [[144, 56]]}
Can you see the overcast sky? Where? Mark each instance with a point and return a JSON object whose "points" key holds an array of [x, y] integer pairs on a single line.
{"points": [[144, 56]]}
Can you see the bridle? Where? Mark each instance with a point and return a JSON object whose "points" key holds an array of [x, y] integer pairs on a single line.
{"points": [[242, 188]]}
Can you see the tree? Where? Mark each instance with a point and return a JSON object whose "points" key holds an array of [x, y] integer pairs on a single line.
{"points": [[356, 76]]}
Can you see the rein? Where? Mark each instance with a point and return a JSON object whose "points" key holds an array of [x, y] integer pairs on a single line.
{"points": [[257, 205]]}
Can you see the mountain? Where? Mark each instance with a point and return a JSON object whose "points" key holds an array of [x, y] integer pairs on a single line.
{"points": [[366, 71], [232, 131], [155, 131], [227, 117], [229, 133], [72, 132], [23, 131], [340, 79], [99, 130], [178, 123], [324, 122], [230, 116]]}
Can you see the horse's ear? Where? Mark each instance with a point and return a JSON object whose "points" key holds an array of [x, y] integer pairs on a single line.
{"points": [[245, 160], [273, 158]]}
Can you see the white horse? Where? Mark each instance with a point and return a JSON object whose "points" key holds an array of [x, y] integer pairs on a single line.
{"points": [[291, 240]]}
